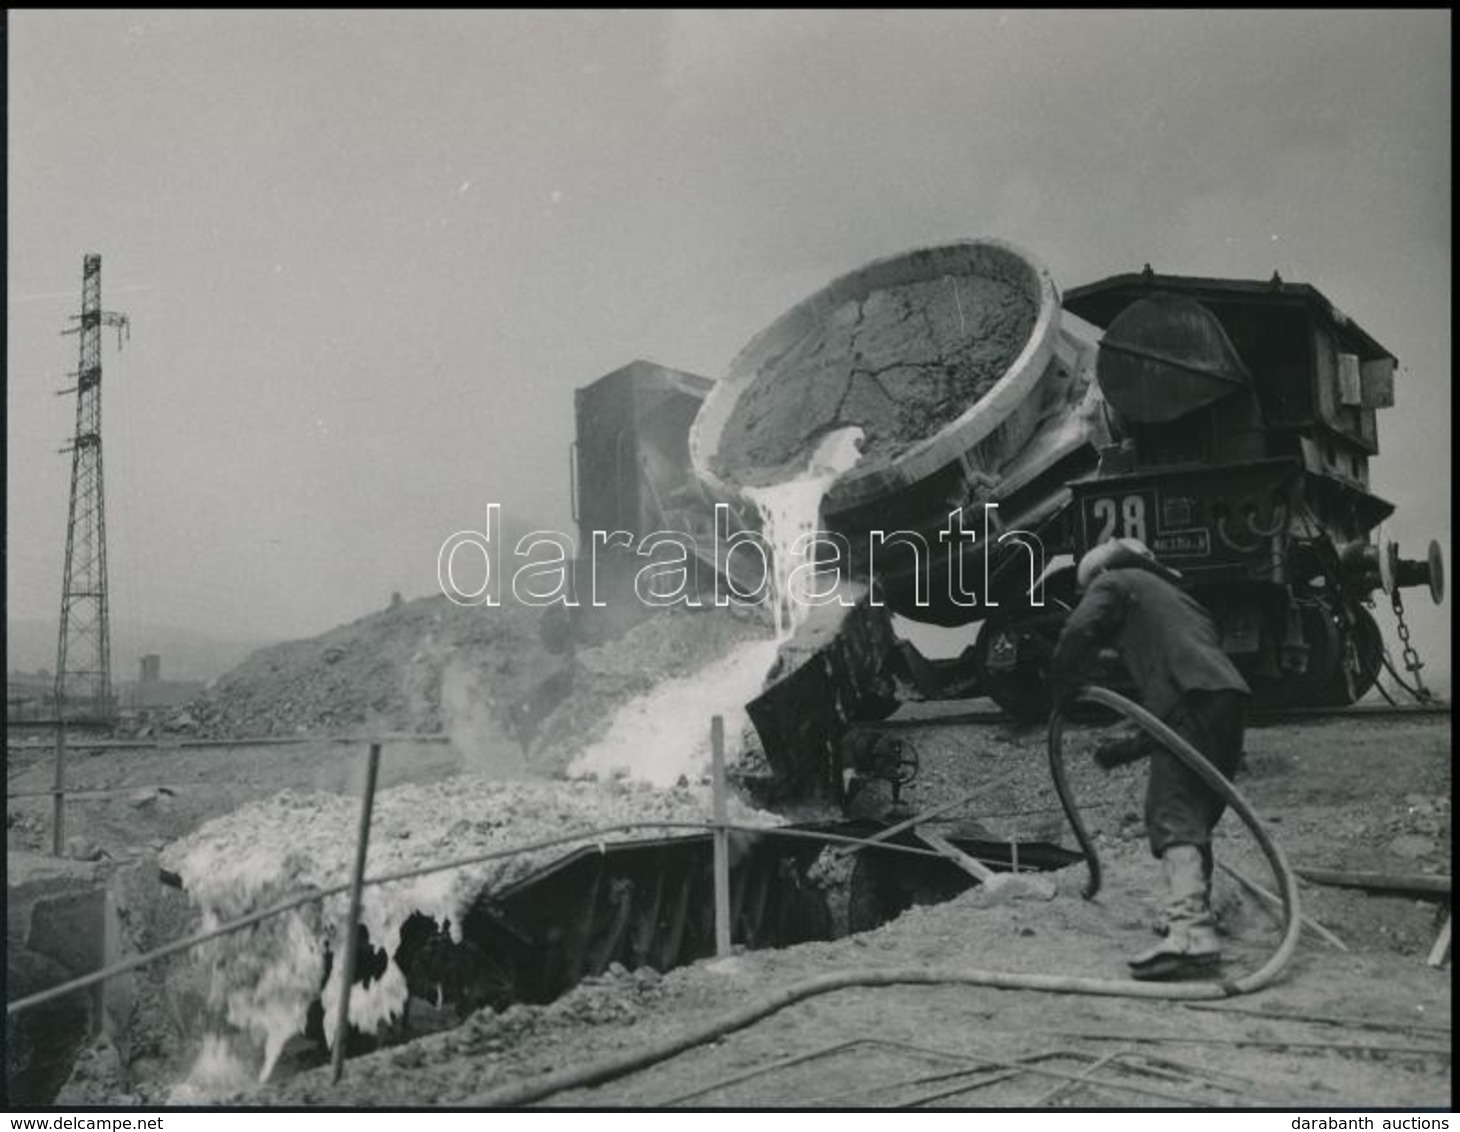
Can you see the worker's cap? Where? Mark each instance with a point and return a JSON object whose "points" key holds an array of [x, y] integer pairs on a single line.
{"points": [[1116, 554]]}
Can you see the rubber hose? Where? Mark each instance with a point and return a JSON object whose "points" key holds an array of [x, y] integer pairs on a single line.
{"points": [[1067, 802], [521, 1093], [1218, 782]]}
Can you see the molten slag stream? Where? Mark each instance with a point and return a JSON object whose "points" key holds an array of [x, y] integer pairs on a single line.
{"points": [[790, 515], [663, 736]]}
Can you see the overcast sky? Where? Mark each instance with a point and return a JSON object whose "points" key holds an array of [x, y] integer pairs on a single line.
{"points": [[369, 255]]}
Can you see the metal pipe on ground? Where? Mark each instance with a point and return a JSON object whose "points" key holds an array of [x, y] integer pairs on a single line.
{"points": [[762, 1070], [997, 1078], [1084, 1078], [1418, 884], [999, 1069], [1173, 1070], [255, 741], [1027, 1065], [86, 792], [992, 1075], [926, 815], [1258, 1043], [1322, 1019]]}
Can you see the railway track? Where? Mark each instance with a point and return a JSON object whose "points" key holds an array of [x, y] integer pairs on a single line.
{"points": [[1257, 718]]}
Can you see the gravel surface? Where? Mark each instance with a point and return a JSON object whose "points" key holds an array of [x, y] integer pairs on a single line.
{"points": [[1354, 794]]}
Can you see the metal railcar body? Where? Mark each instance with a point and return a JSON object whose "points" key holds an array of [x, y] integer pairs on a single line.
{"points": [[1242, 418]]}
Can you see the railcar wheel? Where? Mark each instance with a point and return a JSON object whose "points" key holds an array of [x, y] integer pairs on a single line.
{"points": [[1365, 667]]}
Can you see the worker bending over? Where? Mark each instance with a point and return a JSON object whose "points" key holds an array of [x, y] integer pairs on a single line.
{"points": [[1170, 648]]}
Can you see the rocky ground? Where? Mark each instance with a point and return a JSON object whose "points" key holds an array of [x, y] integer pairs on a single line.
{"points": [[1361, 794]]}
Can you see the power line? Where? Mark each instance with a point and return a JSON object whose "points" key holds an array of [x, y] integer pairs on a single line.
{"points": [[83, 649]]}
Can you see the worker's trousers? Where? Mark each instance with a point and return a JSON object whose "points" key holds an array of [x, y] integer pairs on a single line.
{"points": [[1180, 808]]}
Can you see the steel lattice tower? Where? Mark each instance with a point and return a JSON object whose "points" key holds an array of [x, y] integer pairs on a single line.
{"points": [[83, 651]]}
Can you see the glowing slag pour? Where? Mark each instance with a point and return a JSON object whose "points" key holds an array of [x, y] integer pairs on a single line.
{"points": [[663, 735], [790, 515]]}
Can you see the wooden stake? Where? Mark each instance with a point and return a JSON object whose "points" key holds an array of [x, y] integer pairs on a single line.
{"points": [[1275, 902], [352, 918], [970, 865], [58, 794], [1442, 945], [721, 836]]}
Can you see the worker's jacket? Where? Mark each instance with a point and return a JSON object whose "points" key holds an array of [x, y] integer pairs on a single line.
{"points": [[1166, 640]]}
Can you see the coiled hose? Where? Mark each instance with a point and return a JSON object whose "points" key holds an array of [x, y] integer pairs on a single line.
{"points": [[521, 1093]]}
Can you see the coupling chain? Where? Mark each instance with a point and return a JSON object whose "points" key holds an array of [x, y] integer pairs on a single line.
{"points": [[1412, 661]]}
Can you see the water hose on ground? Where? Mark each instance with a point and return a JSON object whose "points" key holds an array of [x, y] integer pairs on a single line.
{"points": [[1215, 779], [1067, 801], [518, 1094]]}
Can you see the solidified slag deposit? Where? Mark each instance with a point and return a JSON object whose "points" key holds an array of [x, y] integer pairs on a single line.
{"points": [[263, 979], [900, 364]]}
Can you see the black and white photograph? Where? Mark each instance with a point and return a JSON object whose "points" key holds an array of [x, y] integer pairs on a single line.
{"points": [[729, 560]]}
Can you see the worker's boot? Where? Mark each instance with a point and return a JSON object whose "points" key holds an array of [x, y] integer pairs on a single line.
{"points": [[1162, 926], [1190, 948]]}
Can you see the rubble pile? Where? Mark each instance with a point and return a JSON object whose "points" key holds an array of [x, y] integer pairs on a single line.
{"points": [[264, 980], [383, 671], [617, 994], [430, 666], [493, 1039]]}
